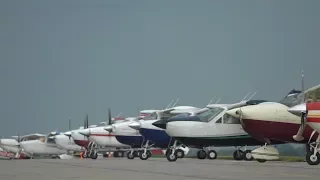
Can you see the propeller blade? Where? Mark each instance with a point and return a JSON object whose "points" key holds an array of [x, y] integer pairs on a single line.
{"points": [[109, 118], [87, 122], [298, 136], [69, 124]]}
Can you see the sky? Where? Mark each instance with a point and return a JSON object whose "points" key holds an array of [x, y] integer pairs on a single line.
{"points": [[62, 59]]}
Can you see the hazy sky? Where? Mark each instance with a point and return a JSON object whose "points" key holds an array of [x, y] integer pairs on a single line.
{"points": [[62, 59]]}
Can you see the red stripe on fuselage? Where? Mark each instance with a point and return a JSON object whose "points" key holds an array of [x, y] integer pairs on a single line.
{"points": [[314, 120], [313, 106]]}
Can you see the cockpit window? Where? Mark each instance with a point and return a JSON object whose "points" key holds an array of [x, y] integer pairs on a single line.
{"points": [[102, 124], [227, 119], [152, 116], [50, 140], [209, 114]]}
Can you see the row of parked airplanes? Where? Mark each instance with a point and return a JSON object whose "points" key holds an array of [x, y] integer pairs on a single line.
{"points": [[294, 119]]}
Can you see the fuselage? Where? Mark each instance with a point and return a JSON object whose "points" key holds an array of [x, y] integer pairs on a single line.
{"points": [[102, 137], [79, 139], [41, 148], [66, 143], [210, 126], [271, 123], [156, 135], [126, 135]]}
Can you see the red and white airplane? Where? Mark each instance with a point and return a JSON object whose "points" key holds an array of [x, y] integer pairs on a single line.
{"points": [[275, 123]]}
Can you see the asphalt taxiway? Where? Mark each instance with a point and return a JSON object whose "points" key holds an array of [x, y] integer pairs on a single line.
{"points": [[153, 169]]}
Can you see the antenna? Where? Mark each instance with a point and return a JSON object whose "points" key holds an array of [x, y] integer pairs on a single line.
{"points": [[119, 114], [175, 103], [246, 96], [169, 104], [253, 95], [218, 100], [210, 102]]}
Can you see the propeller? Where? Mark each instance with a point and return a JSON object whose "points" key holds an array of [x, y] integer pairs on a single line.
{"points": [[69, 127], [298, 136]]}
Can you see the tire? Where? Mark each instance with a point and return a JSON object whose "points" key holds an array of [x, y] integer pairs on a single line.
{"points": [[212, 154], [145, 156], [201, 154], [130, 156], [248, 156], [180, 153], [84, 155], [238, 155], [94, 156], [313, 159], [171, 157], [120, 154]]}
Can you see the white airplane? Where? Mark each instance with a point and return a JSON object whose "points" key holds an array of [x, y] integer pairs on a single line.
{"points": [[43, 146], [210, 126], [13, 145], [102, 140], [151, 136]]}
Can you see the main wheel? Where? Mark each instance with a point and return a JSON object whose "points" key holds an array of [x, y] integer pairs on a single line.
{"points": [[248, 156], [94, 156], [171, 157], [180, 153], [238, 155], [115, 154], [313, 159], [85, 155], [212, 154], [131, 155], [120, 154], [145, 156], [201, 154]]}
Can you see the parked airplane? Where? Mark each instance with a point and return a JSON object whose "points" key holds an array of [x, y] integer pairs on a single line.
{"points": [[210, 126], [103, 140], [157, 137], [13, 145], [42, 146], [272, 123]]}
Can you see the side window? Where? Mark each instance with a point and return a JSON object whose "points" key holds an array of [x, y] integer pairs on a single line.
{"points": [[50, 140], [219, 121], [227, 119]]}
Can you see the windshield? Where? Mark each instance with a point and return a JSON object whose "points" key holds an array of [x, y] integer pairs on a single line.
{"points": [[152, 116], [209, 114]]}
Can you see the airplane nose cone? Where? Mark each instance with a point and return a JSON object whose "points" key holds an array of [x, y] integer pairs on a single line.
{"points": [[67, 134], [160, 124], [108, 128], [297, 109], [85, 132], [135, 125]]}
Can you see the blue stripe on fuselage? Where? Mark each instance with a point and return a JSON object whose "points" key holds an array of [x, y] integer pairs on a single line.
{"points": [[134, 141], [159, 137]]}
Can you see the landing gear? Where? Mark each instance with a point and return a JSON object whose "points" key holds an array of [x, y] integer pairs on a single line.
{"points": [[201, 154], [94, 155], [118, 154], [313, 156], [180, 153], [212, 154], [238, 155], [145, 155], [248, 156], [130, 154], [171, 155]]}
